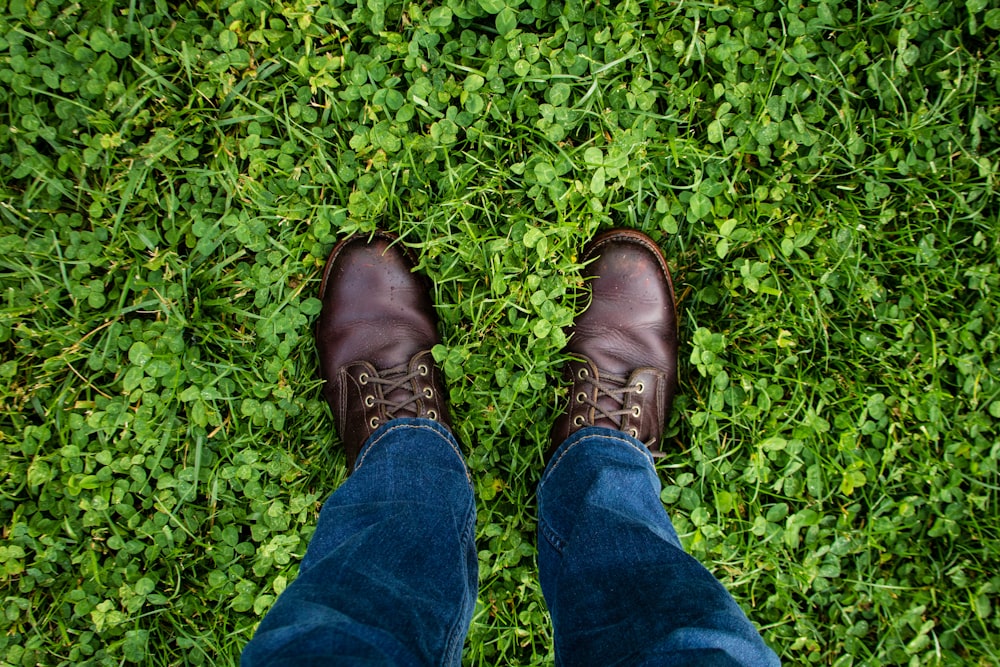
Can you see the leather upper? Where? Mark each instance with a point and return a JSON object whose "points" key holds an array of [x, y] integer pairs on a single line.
{"points": [[374, 335], [624, 345]]}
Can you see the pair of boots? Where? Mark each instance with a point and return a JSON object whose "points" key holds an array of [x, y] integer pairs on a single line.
{"points": [[377, 327]]}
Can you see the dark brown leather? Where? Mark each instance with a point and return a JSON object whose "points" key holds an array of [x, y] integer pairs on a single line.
{"points": [[624, 345], [374, 336]]}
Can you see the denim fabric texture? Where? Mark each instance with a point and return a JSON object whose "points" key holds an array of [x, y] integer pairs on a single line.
{"points": [[390, 575], [619, 587]]}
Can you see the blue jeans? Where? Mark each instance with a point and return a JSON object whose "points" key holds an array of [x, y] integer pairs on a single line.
{"points": [[391, 573]]}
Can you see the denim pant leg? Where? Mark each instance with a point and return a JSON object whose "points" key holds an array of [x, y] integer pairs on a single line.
{"points": [[390, 575], [617, 582]]}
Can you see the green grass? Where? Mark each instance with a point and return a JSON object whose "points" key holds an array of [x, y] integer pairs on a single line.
{"points": [[823, 178]]}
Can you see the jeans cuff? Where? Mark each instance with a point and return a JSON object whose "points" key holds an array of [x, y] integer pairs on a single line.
{"points": [[409, 426], [613, 436]]}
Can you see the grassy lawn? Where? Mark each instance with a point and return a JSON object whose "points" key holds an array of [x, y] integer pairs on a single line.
{"points": [[822, 176]]}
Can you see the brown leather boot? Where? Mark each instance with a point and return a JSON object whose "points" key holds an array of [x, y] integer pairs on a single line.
{"points": [[624, 345], [374, 336]]}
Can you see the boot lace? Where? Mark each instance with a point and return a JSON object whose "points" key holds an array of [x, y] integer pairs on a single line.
{"points": [[615, 387], [392, 379]]}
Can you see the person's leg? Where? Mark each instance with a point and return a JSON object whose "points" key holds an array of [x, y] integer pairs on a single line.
{"points": [[618, 585], [390, 575]]}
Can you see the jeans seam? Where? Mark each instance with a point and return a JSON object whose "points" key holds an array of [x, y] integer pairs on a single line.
{"points": [[394, 427], [551, 537], [457, 634]]}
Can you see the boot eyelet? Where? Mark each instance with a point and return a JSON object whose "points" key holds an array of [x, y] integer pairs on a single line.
{"points": [[639, 387], [373, 422], [583, 374], [363, 378], [428, 392], [422, 369], [432, 414], [636, 411], [369, 400], [581, 397], [633, 432], [578, 421]]}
